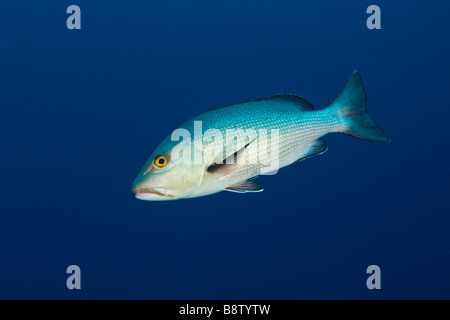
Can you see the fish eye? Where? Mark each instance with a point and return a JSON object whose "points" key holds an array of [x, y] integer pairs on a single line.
{"points": [[160, 161]]}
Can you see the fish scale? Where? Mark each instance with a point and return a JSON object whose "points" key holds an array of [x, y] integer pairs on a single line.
{"points": [[238, 132], [298, 129]]}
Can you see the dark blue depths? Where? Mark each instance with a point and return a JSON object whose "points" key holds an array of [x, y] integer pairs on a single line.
{"points": [[81, 110]]}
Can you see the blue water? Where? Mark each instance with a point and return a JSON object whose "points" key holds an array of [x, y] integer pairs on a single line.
{"points": [[81, 111]]}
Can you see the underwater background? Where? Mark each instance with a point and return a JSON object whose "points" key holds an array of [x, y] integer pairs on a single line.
{"points": [[82, 110]]}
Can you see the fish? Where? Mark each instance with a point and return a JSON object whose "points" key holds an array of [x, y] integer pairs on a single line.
{"points": [[227, 148]]}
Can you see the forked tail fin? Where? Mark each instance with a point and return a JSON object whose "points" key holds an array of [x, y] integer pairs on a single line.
{"points": [[351, 108]]}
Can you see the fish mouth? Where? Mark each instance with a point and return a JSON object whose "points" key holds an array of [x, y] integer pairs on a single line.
{"points": [[149, 193]]}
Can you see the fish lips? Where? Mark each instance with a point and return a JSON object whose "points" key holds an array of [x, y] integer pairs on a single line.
{"points": [[151, 194]]}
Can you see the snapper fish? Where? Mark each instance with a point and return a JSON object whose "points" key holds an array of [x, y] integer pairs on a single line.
{"points": [[227, 147]]}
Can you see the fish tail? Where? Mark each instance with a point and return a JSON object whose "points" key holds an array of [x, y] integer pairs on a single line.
{"points": [[350, 106]]}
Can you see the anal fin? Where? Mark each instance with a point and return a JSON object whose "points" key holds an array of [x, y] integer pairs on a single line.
{"points": [[318, 147]]}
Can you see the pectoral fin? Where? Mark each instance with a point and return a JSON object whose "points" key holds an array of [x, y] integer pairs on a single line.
{"points": [[245, 186], [224, 167]]}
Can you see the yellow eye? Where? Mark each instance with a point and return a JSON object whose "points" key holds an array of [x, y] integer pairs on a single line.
{"points": [[160, 161]]}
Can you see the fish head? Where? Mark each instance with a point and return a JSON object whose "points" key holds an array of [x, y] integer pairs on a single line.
{"points": [[167, 175]]}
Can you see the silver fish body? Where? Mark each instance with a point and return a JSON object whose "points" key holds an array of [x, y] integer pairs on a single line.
{"points": [[225, 148]]}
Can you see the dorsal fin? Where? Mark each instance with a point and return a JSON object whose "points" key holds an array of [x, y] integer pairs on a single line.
{"points": [[300, 102], [286, 98]]}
